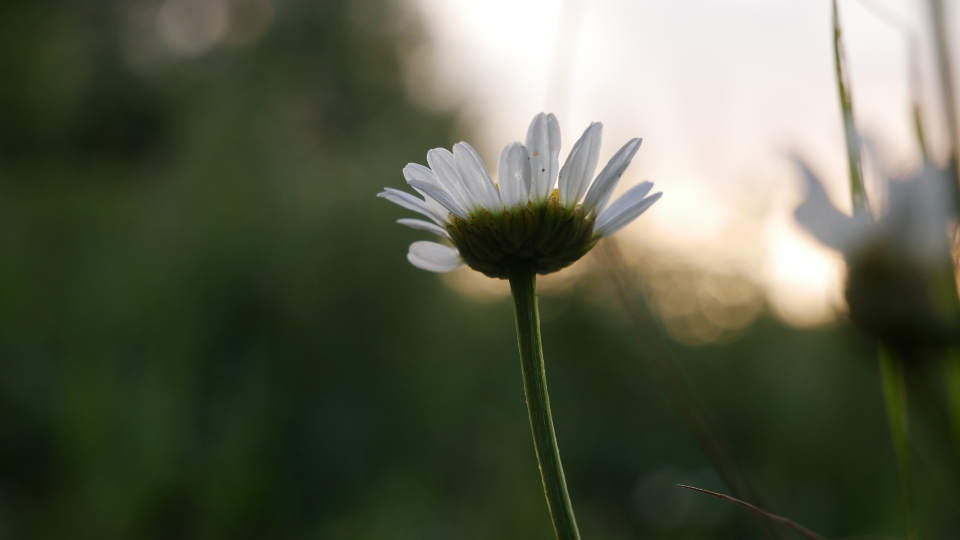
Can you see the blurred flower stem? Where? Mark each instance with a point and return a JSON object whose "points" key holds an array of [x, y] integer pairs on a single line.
{"points": [[651, 347], [895, 398], [523, 285], [931, 427]]}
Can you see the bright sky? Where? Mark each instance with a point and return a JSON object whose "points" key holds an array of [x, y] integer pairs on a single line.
{"points": [[721, 92]]}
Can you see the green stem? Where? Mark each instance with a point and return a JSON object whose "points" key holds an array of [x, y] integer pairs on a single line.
{"points": [[523, 285], [895, 398]]}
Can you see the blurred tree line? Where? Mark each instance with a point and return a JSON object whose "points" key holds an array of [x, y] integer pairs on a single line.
{"points": [[208, 328]]}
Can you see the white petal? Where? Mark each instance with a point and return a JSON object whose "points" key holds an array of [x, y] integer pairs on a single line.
{"points": [[444, 166], [917, 210], [434, 257], [415, 171], [543, 144], [421, 225], [513, 173], [475, 176], [410, 202], [631, 197], [578, 170], [607, 180], [821, 218], [441, 196], [626, 209], [435, 206]]}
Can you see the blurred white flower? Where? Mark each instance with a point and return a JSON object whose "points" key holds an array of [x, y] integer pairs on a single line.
{"points": [[914, 224], [900, 284], [525, 220]]}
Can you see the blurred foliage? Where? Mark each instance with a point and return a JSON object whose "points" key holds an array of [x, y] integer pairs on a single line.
{"points": [[208, 328]]}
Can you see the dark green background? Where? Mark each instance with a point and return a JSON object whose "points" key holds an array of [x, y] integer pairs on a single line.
{"points": [[208, 327]]}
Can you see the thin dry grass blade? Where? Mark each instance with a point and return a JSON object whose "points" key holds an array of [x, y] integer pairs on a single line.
{"points": [[773, 517]]}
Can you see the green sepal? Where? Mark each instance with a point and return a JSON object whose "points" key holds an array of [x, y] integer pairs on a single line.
{"points": [[545, 238]]}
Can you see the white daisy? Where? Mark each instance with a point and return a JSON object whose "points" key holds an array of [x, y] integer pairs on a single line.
{"points": [[530, 219]]}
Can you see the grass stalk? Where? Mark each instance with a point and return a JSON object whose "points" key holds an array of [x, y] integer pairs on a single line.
{"points": [[858, 191]]}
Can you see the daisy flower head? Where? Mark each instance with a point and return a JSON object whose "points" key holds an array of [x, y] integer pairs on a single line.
{"points": [[540, 216]]}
